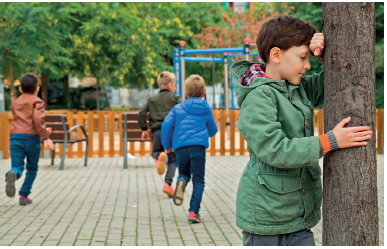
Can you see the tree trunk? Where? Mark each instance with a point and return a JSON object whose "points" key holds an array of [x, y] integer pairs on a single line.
{"points": [[45, 89], [10, 78], [66, 91], [350, 208]]}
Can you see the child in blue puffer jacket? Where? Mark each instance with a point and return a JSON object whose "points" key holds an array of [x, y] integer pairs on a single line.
{"points": [[186, 130]]}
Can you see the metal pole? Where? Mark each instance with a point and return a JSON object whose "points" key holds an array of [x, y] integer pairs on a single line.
{"points": [[232, 86], [213, 82], [176, 69], [182, 62], [247, 44], [226, 104]]}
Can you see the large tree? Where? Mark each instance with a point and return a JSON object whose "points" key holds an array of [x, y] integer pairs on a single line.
{"points": [[350, 208]]}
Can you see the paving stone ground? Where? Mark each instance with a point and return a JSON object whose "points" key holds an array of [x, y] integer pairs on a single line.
{"points": [[103, 204]]}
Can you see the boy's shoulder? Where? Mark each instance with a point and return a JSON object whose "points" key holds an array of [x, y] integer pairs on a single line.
{"points": [[28, 98]]}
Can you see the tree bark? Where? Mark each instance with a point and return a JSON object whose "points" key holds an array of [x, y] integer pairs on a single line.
{"points": [[45, 89], [350, 208], [11, 79], [66, 91]]}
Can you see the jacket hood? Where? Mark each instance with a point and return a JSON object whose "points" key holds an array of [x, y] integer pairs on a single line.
{"points": [[249, 76], [195, 106]]}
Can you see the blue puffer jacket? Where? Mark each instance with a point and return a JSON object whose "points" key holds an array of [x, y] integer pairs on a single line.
{"points": [[188, 123]]}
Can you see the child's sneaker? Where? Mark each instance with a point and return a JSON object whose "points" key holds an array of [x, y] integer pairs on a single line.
{"points": [[178, 196], [10, 186], [24, 200], [161, 163], [194, 218], [168, 190]]}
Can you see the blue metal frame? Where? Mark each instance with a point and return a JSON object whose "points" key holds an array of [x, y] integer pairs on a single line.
{"points": [[241, 51], [204, 59], [213, 50]]}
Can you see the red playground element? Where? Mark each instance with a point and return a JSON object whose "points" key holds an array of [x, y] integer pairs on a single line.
{"points": [[182, 43], [246, 40]]}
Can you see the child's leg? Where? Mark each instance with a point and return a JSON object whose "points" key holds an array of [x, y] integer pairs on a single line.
{"points": [[157, 147], [182, 158], [171, 167], [32, 150], [183, 163], [198, 161], [17, 157]]}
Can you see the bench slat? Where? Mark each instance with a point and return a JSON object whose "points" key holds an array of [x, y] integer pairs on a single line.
{"points": [[56, 126], [58, 136], [132, 125], [51, 118]]}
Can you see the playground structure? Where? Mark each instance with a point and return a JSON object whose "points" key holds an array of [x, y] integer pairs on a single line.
{"points": [[180, 58]]}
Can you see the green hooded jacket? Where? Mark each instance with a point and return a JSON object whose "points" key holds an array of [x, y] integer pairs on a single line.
{"points": [[280, 189]]}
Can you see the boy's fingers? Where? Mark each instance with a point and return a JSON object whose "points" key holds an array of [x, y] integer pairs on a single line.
{"points": [[363, 133], [358, 128], [343, 122], [359, 143]]}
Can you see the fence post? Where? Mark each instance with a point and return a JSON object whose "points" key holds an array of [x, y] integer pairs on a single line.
{"points": [[101, 131], [320, 121], [379, 129], [1, 135], [222, 131], [232, 133], [111, 124], [6, 134], [90, 131]]}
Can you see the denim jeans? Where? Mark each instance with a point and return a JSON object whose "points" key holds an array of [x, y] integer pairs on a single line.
{"points": [[20, 149], [300, 238], [191, 160], [157, 148]]}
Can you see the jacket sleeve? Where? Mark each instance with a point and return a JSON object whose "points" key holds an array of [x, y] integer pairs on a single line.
{"points": [[178, 99], [167, 129], [211, 125], [38, 120], [142, 116], [314, 88], [265, 138]]}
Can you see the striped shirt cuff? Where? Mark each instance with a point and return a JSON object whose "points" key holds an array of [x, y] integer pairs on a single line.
{"points": [[327, 143]]}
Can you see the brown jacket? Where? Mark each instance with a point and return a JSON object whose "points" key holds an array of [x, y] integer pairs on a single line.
{"points": [[28, 116]]}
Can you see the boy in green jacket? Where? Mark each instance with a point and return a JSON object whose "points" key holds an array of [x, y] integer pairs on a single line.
{"points": [[279, 194], [158, 107]]}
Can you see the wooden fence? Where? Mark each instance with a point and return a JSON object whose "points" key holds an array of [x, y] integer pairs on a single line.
{"points": [[105, 134]]}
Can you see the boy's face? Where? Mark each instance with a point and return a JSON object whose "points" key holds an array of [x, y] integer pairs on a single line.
{"points": [[294, 63]]}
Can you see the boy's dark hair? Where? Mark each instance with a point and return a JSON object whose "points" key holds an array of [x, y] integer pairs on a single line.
{"points": [[29, 83], [283, 32]]}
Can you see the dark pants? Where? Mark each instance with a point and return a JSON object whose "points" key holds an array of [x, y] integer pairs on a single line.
{"points": [[20, 149], [191, 160], [300, 238], [157, 149]]}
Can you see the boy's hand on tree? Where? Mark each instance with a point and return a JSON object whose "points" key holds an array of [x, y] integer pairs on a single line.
{"points": [[317, 44], [48, 142], [145, 135], [351, 136]]}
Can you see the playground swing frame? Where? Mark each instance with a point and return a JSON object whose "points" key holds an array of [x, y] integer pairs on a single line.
{"points": [[180, 58]]}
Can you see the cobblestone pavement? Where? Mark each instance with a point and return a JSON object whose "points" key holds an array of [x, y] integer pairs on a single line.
{"points": [[103, 204]]}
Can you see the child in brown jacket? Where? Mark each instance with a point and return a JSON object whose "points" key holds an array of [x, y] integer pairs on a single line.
{"points": [[27, 131]]}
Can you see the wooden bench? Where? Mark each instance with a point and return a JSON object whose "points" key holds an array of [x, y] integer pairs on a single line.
{"points": [[132, 131], [61, 134]]}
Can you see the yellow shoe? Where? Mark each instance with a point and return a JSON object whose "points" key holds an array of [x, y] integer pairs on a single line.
{"points": [[161, 163]]}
